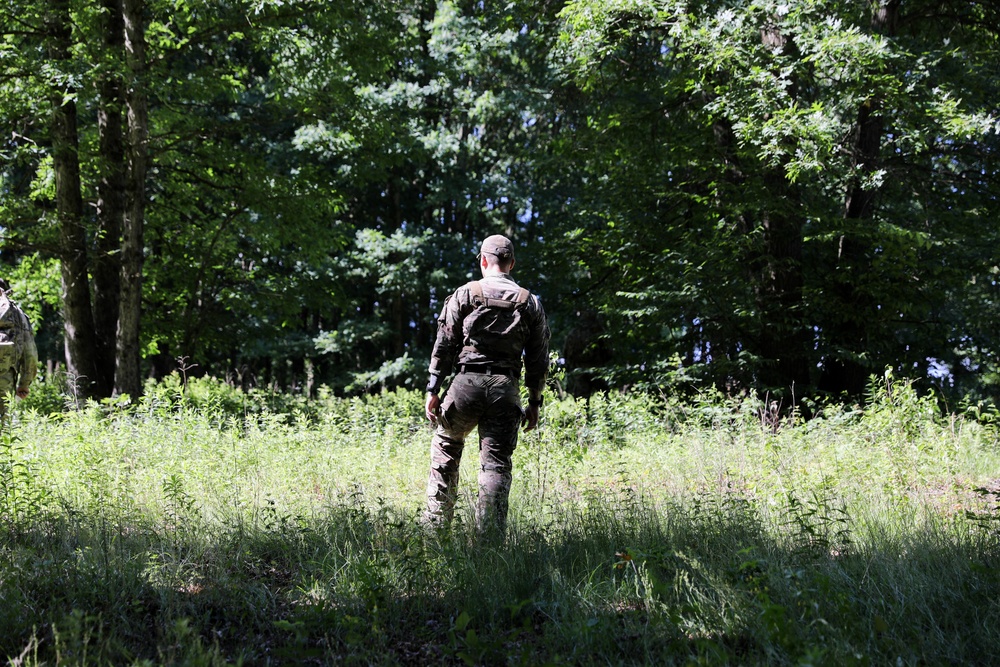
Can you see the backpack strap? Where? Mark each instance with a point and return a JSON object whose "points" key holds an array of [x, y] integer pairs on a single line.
{"points": [[476, 292], [8, 315]]}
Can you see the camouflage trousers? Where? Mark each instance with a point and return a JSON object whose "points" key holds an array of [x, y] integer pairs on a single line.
{"points": [[491, 402], [8, 383]]}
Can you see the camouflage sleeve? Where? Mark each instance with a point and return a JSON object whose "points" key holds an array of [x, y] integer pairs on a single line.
{"points": [[29, 355], [536, 349], [449, 339]]}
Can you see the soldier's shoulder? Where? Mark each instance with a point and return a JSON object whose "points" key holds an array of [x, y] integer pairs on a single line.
{"points": [[9, 306], [463, 295], [537, 313], [467, 289], [16, 307]]}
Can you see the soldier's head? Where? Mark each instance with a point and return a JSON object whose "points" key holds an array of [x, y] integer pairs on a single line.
{"points": [[4, 286], [497, 251]]}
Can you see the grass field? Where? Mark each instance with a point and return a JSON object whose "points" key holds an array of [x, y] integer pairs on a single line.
{"points": [[205, 527]]}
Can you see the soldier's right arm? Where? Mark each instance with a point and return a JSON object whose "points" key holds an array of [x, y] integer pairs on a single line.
{"points": [[536, 351]]}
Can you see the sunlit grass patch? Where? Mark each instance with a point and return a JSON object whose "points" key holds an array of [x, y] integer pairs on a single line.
{"points": [[642, 532]]}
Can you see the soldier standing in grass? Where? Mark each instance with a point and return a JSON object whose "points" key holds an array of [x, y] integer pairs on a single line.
{"points": [[18, 354], [485, 330]]}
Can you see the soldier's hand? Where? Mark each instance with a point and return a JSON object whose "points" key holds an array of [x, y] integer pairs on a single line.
{"points": [[530, 417], [432, 408], [22, 393]]}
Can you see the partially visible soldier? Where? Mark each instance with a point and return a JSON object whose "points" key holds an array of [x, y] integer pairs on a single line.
{"points": [[18, 354], [485, 330]]}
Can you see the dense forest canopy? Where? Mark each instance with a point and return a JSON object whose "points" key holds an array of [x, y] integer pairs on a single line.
{"points": [[778, 196]]}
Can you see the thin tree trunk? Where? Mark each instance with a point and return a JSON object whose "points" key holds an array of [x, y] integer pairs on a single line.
{"points": [[127, 377], [110, 198], [78, 324]]}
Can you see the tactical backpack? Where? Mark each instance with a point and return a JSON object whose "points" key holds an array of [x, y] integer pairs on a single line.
{"points": [[489, 327], [11, 334], [476, 290]]}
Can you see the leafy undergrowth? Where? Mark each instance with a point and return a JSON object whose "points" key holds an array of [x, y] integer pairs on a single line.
{"points": [[204, 527]]}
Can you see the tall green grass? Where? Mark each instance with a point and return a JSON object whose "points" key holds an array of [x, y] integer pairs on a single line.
{"points": [[206, 526]]}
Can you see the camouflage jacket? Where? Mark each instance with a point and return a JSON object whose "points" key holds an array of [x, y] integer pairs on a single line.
{"points": [[470, 331], [15, 328]]}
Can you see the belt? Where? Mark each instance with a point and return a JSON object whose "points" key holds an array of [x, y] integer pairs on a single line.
{"points": [[486, 369]]}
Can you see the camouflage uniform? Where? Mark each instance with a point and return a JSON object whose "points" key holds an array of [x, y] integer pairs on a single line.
{"points": [[485, 345], [18, 354]]}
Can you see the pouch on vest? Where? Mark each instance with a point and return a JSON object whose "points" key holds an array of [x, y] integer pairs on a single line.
{"points": [[8, 355]]}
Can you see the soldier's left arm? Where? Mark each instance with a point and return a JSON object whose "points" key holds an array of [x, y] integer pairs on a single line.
{"points": [[29, 358], [448, 341]]}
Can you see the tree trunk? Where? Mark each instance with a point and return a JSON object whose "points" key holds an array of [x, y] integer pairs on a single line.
{"points": [[783, 340], [110, 199], [779, 337], [845, 374], [127, 377], [396, 306], [78, 324]]}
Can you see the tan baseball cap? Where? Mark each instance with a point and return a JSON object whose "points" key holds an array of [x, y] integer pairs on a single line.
{"points": [[499, 246]]}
